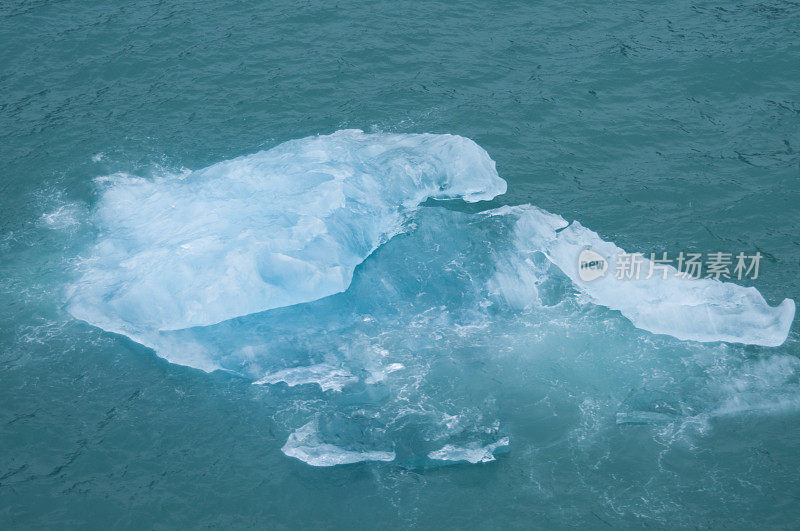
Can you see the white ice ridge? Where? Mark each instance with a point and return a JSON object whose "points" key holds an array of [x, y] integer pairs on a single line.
{"points": [[685, 308], [276, 228]]}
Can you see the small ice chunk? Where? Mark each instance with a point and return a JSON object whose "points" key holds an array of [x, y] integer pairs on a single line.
{"points": [[306, 445], [683, 307], [472, 453], [325, 375]]}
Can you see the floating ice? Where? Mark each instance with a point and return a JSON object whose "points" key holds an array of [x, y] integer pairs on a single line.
{"points": [[280, 227], [685, 308], [327, 376], [306, 444], [472, 453], [249, 266]]}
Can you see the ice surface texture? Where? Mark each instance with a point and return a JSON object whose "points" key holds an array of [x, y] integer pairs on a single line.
{"points": [[249, 266], [687, 308], [280, 227], [305, 444]]}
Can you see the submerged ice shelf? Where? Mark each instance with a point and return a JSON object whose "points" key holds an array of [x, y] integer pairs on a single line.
{"points": [[250, 266]]}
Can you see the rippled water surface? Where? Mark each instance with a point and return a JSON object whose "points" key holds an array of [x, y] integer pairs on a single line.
{"points": [[461, 379]]}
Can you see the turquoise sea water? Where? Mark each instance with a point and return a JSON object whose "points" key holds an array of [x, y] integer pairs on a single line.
{"points": [[662, 127]]}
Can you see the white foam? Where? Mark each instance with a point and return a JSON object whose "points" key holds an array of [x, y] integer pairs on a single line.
{"points": [[380, 374], [767, 385], [66, 216], [306, 445], [686, 308]]}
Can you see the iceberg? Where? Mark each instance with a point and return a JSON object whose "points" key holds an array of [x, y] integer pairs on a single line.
{"points": [[318, 271], [283, 226]]}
